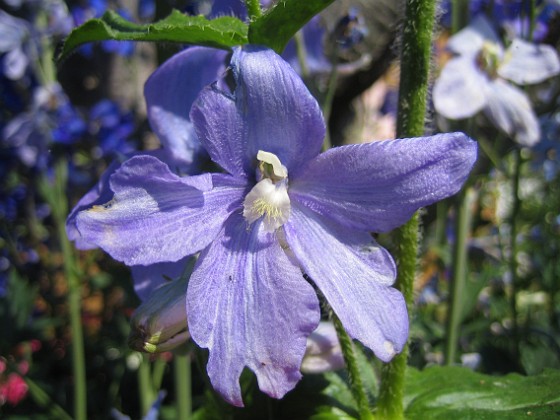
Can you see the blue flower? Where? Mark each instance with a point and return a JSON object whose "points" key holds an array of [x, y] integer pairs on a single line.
{"points": [[281, 216], [477, 79]]}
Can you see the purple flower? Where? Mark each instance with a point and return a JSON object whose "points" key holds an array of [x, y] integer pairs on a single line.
{"points": [[477, 79], [281, 216]]}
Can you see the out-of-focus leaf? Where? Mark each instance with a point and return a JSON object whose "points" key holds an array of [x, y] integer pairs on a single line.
{"points": [[281, 22], [459, 393], [224, 32]]}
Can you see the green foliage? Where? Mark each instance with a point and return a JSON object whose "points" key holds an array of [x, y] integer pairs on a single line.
{"points": [[459, 393], [281, 22], [224, 32]]}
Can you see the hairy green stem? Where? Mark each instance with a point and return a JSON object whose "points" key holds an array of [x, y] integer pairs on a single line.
{"points": [[413, 92], [459, 276], [182, 370], [253, 9], [356, 384]]}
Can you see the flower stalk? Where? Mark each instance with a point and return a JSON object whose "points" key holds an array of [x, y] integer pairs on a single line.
{"points": [[55, 195], [459, 276], [413, 91], [356, 384]]}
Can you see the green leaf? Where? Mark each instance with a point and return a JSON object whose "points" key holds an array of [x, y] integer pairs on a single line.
{"points": [[281, 22], [224, 32], [459, 393]]}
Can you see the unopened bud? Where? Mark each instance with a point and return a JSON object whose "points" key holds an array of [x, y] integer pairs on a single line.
{"points": [[323, 352], [160, 323]]}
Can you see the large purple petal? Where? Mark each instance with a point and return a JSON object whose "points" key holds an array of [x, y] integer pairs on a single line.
{"points": [[250, 306], [377, 186], [170, 92], [157, 216], [459, 91], [99, 194], [510, 109], [357, 290], [270, 110]]}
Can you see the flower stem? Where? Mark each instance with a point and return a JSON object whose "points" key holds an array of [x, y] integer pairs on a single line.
{"points": [[390, 402], [513, 252], [253, 9], [55, 195], [356, 385], [147, 394], [413, 91], [182, 370], [459, 277]]}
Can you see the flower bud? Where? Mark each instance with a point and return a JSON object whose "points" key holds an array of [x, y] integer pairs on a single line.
{"points": [[160, 323], [323, 352]]}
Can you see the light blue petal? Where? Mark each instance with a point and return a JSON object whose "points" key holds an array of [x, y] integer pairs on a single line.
{"points": [[250, 306], [170, 92], [270, 109], [357, 290], [459, 91], [156, 216], [377, 186], [469, 40], [510, 110], [526, 63]]}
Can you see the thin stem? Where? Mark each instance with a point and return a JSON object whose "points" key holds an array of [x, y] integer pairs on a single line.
{"points": [[182, 369], [413, 92], [513, 251], [301, 52], [253, 9], [56, 197], [147, 394], [157, 373], [459, 277], [356, 384], [459, 15]]}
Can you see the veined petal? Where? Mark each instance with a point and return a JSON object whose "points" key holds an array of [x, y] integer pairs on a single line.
{"points": [[170, 92], [527, 63], [250, 306], [510, 109], [270, 109], [99, 194], [459, 90], [357, 291], [156, 216], [148, 278], [377, 186]]}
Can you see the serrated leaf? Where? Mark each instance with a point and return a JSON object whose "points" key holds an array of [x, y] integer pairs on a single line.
{"points": [[281, 22], [224, 32], [459, 393]]}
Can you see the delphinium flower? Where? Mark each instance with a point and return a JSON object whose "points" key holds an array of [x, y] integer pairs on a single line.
{"points": [[279, 217], [479, 78]]}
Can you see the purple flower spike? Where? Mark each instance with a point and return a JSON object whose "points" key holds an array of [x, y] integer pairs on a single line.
{"points": [[282, 217]]}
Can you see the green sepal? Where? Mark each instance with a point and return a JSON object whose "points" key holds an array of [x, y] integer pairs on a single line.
{"points": [[223, 32], [281, 22]]}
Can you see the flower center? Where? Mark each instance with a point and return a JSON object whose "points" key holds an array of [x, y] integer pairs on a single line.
{"points": [[489, 58], [268, 200]]}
